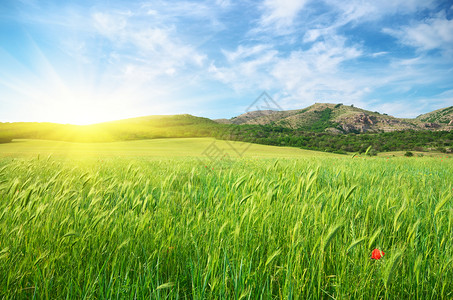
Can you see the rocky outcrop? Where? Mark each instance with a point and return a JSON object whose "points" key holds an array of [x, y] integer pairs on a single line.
{"points": [[356, 128], [360, 122], [334, 131], [364, 119], [390, 121], [431, 125]]}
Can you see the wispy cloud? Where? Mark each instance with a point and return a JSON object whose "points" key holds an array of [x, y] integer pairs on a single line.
{"points": [[159, 49], [358, 11], [428, 34], [305, 75], [247, 67], [421, 105], [279, 15]]}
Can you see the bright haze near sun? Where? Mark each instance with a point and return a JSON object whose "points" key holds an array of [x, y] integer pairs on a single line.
{"points": [[83, 62]]}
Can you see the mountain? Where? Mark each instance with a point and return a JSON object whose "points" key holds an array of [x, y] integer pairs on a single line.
{"points": [[309, 128], [339, 118], [320, 117]]}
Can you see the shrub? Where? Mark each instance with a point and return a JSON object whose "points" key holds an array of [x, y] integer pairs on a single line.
{"points": [[442, 149], [408, 154], [372, 152], [339, 152], [5, 140]]}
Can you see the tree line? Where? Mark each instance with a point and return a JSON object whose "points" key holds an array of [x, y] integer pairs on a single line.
{"points": [[342, 143]]}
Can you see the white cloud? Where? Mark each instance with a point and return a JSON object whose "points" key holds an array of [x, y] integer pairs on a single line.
{"points": [[143, 53], [400, 108], [223, 3], [243, 52], [279, 15], [364, 11], [248, 67], [316, 75], [429, 34], [152, 12], [312, 35], [176, 11], [357, 12], [109, 24], [378, 54], [323, 73], [305, 75]]}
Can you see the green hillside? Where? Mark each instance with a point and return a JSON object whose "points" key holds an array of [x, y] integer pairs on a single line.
{"points": [[321, 127], [444, 115], [149, 127]]}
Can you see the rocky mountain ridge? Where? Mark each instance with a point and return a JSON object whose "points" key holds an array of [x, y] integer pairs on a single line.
{"points": [[339, 118]]}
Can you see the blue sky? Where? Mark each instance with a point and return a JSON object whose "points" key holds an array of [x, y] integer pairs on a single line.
{"points": [[89, 61]]}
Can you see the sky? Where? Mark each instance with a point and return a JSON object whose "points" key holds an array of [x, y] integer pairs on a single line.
{"points": [[89, 61]]}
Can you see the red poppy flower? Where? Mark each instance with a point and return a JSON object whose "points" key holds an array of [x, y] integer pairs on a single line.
{"points": [[377, 254]]}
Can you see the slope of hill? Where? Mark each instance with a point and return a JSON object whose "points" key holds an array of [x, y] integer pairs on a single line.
{"points": [[128, 129], [338, 118], [442, 116]]}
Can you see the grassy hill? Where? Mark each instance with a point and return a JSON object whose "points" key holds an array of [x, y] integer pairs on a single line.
{"points": [[442, 116], [338, 118], [317, 127], [320, 117], [149, 127]]}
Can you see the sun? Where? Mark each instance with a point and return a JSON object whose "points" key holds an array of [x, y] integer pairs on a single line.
{"points": [[81, 111], [84, 116]]}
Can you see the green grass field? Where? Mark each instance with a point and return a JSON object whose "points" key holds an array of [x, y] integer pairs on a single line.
{"points": [[155, 148], [155, 220]]}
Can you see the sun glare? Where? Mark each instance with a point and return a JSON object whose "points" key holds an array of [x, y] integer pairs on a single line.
{"points": [[82, 115], [79, 109]]}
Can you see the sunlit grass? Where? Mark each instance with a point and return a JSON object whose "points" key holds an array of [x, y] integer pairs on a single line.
{"points": [[152, 224], [168, 148]]}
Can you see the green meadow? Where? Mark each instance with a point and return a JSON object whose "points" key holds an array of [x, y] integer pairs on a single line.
{"points": [[161, 219], [153, 148]]}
